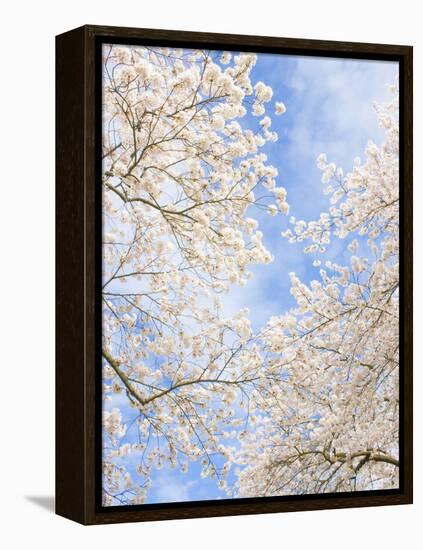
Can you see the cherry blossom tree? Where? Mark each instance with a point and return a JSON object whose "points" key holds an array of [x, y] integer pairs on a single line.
{"points": [[310, 403], [181, 174], [332, 423]]}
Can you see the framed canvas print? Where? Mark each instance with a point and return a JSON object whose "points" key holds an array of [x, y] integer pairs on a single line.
{"points": [[234, 274]]}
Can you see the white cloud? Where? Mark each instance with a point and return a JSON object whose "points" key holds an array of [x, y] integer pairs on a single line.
{"points": [[169, 489], [334, 106]]}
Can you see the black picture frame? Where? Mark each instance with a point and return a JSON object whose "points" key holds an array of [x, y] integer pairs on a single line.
{"points": [[78, 263]]}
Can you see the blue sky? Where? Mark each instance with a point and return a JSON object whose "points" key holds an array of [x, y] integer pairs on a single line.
{"points": [[329, 109]]}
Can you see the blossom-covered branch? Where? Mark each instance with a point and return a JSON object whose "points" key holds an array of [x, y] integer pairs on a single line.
{"points": [[180, 176], [333, 425]]}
